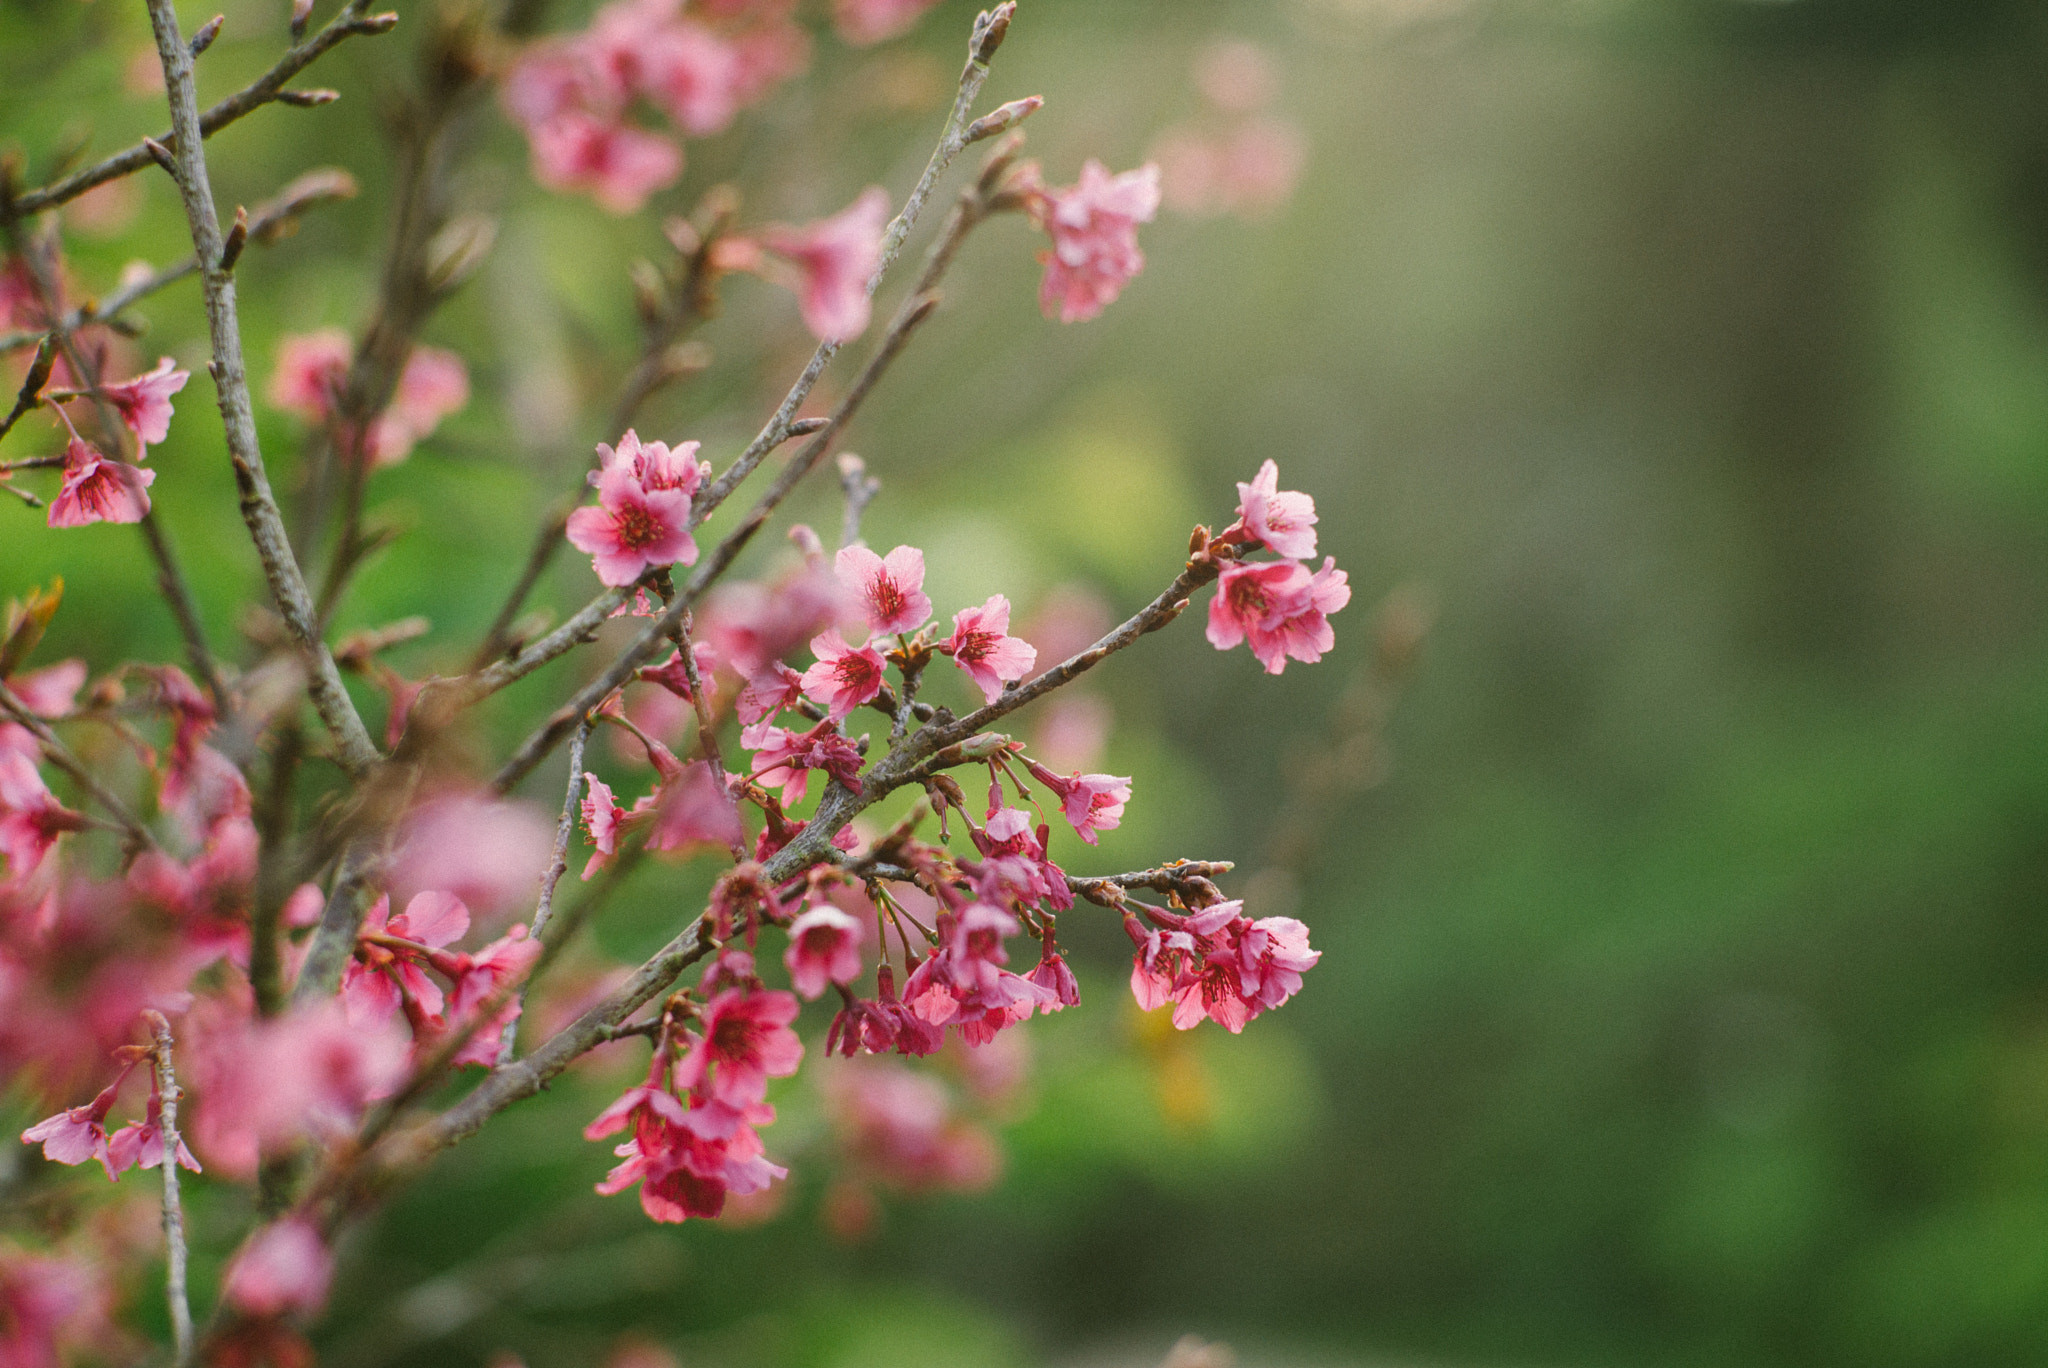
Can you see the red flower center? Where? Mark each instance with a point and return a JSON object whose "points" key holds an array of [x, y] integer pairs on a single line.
{"points": [[638, 526]]}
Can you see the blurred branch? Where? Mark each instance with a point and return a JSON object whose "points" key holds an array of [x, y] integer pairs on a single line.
{"points": [[355, 750], [266, 88], [272, 221]]}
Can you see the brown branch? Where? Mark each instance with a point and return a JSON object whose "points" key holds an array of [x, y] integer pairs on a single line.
{"points": [[354, 748], [265, 88]]}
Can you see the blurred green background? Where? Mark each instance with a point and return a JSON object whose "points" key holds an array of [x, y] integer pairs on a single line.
{"points": [[1683, 363]]}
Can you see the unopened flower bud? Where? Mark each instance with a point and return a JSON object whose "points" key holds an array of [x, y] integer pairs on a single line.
{"points": [[458, 249], [990, 28], [210, 30], [308, 99], [1003, 117]]}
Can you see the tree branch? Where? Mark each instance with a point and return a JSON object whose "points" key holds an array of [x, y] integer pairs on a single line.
{"points": [[354, 748], [174, 1210], [247, 100]]}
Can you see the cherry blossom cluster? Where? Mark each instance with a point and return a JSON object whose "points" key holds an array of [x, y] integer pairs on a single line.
{"points": [[351, 944], [575, 94]]}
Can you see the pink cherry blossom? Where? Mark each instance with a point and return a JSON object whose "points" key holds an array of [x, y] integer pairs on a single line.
{"points": [[633, 529], [695, 76], [434, 384], [785, 759], [1053, 975], [1090, 802], [1094, 231], [754, 624], [692, 809], [309, 372], [845, 677], [1218, 963], [284, 1267], [1015, 867], [890, 588], [769, 692], [824, 947], [142, 1142], [746, 1042], [864, 22], [98, 488], [52, 691], [1285, 522], [480, 978], [31, 818], [655, 464], [618, 164], [78, 1133], [601, 819], [1280, 607], [144, 403], [835, 257], [51, 1307], [963, 983], [981, 646]]}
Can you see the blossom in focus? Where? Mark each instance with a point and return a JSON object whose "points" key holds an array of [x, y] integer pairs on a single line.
{"points": [[746, 1042], [1280, 607], [845, 677], [77, 1134], [284, 1267], [824, 947], [785, 758], [1094, 229], [963, 981], [1217, 963], [98, 488], [144, 403], [1090, 802], [981, 645], [633, 529], [655, 465], [601, 818], [142, 1142], [865, 22], [1284, 521], [890, 588], [834, 258]]}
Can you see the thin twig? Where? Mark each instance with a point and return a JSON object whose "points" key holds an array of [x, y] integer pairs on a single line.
{"points": [[247, 100], [860, 489], [31, 391], [571, 800], [174, 1211], [354, 748]]}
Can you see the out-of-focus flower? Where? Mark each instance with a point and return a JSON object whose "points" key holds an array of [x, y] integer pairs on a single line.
{"points": [[1094, 229], [866, 22], [834, 259], [284, 1267]]}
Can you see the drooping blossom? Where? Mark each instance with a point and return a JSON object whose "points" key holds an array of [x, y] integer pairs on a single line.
{"points": [[481, 978], [142, 1142], [1283, 521], [309, 373], [981, 645], [785, 758], [434, 384], [98, 488], [77, 1134], [144, 402], [1281, 607], [384, 976], [673, 676], [768, 692], [633, 529], [1217, 963], [1015, 867], [1090, 802], [866, 22], [845, 677], [834, 259], [1094, 229], [824, 947], [746, 1041], [890, 588], [285, 1267], [602, 817], [1052, 974], [963, 982]]}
